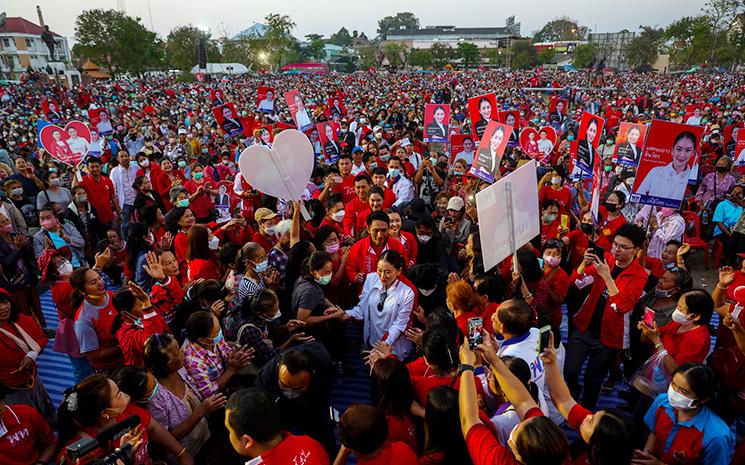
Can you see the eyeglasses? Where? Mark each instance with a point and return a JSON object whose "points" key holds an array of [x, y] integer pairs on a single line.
{"points": [[618, 246], [381, 303]]}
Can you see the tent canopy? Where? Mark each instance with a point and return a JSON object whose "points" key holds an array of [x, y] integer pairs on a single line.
{"points": [[221, 68]]}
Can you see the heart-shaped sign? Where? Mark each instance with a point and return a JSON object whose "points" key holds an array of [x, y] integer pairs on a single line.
{"points": [[529, 141], [68, 145], [282, 171], [550, 134]]}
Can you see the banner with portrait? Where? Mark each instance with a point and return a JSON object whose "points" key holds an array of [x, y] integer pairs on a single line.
{"points": [[265, 99], [436, 122], [336, 107], [228, 120], [52, 111], [670, 154], [511, 118], [100, 121], [629, 144], [489, 155], [730, 134], [557, 111], [297, 109], [329, 141], [692, 115], [462, 146], [740, 149], [482, 110], [217, 97], [588, 137]]}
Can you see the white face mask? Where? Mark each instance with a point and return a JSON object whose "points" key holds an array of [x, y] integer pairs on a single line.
{"points": [[680, 318], [214, 243], [678, 400], [423, 239], [64, 268], [556, 180], [427, 292], [338, 216], [271, 230], [272, 318]]}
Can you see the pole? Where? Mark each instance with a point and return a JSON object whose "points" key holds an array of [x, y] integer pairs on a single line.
{"points": [[511, 221]]}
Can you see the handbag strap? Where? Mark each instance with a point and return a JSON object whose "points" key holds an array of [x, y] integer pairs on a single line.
{"points": [[247, 325], [27, 344]]}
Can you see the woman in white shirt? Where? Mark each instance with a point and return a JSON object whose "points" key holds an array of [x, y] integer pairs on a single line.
{"points": [[385, 305]]}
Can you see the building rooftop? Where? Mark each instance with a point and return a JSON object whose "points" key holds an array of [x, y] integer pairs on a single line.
{"points": [[256, 30], [452, 30], [18, 25]]}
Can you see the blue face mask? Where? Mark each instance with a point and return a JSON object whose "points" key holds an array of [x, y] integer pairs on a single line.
{"points": [[261, 266], [218, 338], [394, 172]]}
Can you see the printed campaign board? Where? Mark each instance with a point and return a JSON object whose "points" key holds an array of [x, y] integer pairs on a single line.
{"points": [[588, 137], [629, 144], [298, 111], [489, 155], [436, 122], [482, 110], [228, 120]]}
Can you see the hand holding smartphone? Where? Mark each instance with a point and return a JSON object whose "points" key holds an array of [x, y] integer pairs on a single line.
{"points": [[475, 325], [648, 317]]}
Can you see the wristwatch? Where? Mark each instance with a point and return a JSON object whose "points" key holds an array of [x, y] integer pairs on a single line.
{"points": [[464, 367]]}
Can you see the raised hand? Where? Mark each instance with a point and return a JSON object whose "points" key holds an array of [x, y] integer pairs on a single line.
{"points": [[153, 267]]}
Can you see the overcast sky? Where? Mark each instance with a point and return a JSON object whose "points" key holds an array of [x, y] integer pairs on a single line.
{"points": [[228, 17]]}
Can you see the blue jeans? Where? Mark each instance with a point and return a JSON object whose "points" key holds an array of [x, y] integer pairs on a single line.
{"points": [[81, 368], [128, 212]]}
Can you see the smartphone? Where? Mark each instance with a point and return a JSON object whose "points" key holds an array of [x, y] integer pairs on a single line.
{"points": [[648, 317], [597, 250], [475, 325], [102, 244], [564, 221], [736, 312], [544, 338], [334, 415]]}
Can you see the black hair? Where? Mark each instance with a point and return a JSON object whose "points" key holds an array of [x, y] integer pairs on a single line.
{"points": [[377, 190], [491, 286], [394, 258], [516, 316], [228, 254], [363, 428], [549, 203], [699, 302], [613, 439], [362, 177], [15, 310], [322, 235], [133, 382], [426, 221], [390, 387], [686, 135], [439, 350], [149, 214], [380, 171], [701, 379], [136, 245], [523, 373], [333, 199], [530, 269], [424, 275], [253, 413], [296, 361], [632, 232], [315, 262], [199, 325], [173, 217], [442, 426], [621, 197], [295, 259], [155, 357]]}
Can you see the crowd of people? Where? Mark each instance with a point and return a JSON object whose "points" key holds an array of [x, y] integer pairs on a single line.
{"points": [[220, 316]]}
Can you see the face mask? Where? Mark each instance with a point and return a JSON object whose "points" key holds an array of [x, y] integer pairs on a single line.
{"points": [[570, 137], [182, 164], [385, 157], [551, 260], [218, 338], [49, 223], [52, 169], [18, 191], [333, 248], [394, 172], [261, 266], [338, 216], [271, 230], [427, 292], [678, 400], [82, 198], [556, 180], [619, 169], [722, 169], [587, 228], [205, 150], [182, 203], [199, 175], [611, 207], [273, 317], [373, 165], [214, 243], [64, 268], [55, 182], [607, 168], [680, 318], [324, 280], [291, 393], [145, 163], [423, 238], [663, 294], [549, 217]]}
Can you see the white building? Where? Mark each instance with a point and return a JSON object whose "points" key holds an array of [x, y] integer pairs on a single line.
{"points": [[483, 37], [21, 47]]}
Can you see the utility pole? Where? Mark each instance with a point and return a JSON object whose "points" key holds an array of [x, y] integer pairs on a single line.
{"points": [[120, 6]]}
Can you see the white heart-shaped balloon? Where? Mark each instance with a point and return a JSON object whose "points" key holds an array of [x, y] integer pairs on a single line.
{"points": [[282, 171]]}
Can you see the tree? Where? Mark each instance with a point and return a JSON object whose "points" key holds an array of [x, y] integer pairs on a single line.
{"points": [[420, 57], [522, 54], [313, 49], [182, 47], [341, 38], [370, 56], [584, 55], [442, 54], [240, 51], [643, 49], [546, 55], [563, 28], [404, 20], [395, 54], [278, 39], [110, 37], [469, 53]]}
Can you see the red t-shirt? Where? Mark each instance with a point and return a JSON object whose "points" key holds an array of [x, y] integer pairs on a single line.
{"points": [[395, 453], [578, 244], [203, 203], [11, 354], [346, 189], [201, 268], [263, 240], [132, 338], [608, 228], [295, 449], [576, 416], [690, 346], [402, 430], [99, 195], [655, 266], [461, 321], [559, 285], [423, 384], [27, 434], [562, 195], [550, 231], [484, 447], [488, 313], [355, 214]]}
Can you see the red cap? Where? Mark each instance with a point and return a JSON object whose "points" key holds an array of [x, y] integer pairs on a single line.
{"points": [[45, 259]]}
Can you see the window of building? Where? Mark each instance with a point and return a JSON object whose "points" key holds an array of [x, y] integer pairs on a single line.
{"points": [[6, 42], [29, 43]]}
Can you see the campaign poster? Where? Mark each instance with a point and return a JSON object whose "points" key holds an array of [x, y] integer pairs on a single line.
{"points": [[217, 97], [557, 111], [266, 136], [101, 121], [596, 186], [436, 122], [69, 144], [629, 144], [529, 142], [492, 205], [482, 110], [511, 118], [588, 137], [298, 111], [265, 99], [730, 135], [462, 146], [489, 155], [227, 118], [692, 115], [96, 146], [336, 106], [669, 154], [51, 111], [740, 148], [329, 141], [223, 201], [547, 139]]}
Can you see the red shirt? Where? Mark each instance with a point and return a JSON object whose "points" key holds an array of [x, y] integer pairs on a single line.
{"points": [[423, 384], [203, 203], [363, 257], [562, 195], [488, 313], [461, 321], [578, 244], [28, 434], [99, 195], [180, 244], [62, 293], [295, 449], [355, 214], [410, 245], [655, 266], [550, 231], [132, 338], [11, 354], [690, 346], [201, 268], [608, 228], [402, 430], [485, 449], [395, 453], [576, 416], [165, 296], [558, 283], [263, 240], [346, 189]]}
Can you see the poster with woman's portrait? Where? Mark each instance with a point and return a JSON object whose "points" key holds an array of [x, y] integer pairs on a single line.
{"points": [[101, 121], [265, 136], [529, 142], [489, 155], [547, 139], [482, 110], [329, 141], [51, 110], [557, 111], [729, 135], [692, 115], [740, 148], [298, 111], [68, 145], [228, 120], [336, 107], [462, 147], [436, 122], [669, 155], [588, 136], [217, 97], [629, 144], [511, 118], [265, 99]]}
